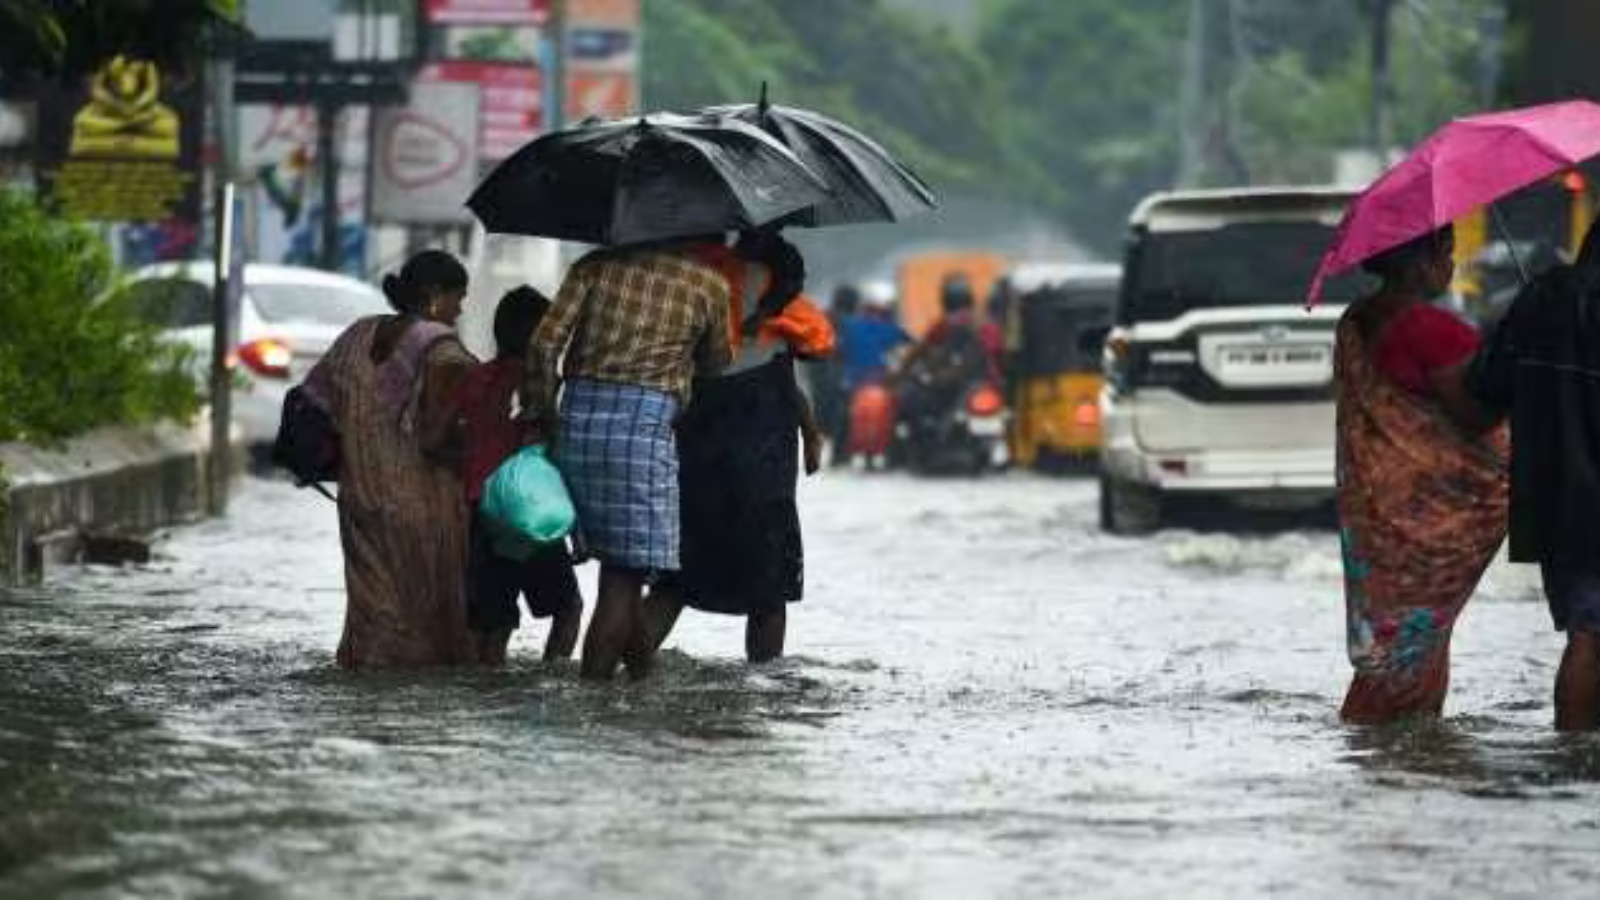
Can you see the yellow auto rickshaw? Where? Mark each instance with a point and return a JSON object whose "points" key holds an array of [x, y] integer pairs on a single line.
{"points": [[1055, 328]]}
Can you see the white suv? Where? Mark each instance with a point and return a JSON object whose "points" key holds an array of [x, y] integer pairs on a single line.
{"points": [[1218, 382]]}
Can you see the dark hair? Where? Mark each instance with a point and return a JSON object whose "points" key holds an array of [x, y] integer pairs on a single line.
{"points": [[517, 318], [423, 275], [955, 293], [846, 299], [1395, 261]]}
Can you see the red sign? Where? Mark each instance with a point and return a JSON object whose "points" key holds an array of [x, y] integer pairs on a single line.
{"points": [[511, 104], [487, 12]]}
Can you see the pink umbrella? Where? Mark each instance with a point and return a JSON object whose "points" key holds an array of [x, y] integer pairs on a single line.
{"points": [[1466, 164]]}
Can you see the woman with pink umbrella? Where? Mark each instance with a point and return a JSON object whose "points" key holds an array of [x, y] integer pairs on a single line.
{"points": [[1422, 502], [1423, 484]]}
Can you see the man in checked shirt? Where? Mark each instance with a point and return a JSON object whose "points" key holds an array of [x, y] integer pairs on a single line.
{"points": [[628, 332]]}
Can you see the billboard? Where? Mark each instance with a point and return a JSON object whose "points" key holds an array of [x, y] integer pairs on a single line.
{"points": [[124, 146], [510, 105], [425, 156], [283, 206]]}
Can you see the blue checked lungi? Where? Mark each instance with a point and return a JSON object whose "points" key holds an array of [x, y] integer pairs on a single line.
{"points": [[616, 450]]}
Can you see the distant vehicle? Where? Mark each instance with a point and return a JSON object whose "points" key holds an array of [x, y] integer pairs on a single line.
{"points": [[1219, 383], [1060, 320], [963, 433], [288, 318]]}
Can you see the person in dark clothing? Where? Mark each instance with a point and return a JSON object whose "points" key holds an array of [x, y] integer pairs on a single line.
{"points": [[491, 435], [830, 385], [957, 352], [1542, 368]]}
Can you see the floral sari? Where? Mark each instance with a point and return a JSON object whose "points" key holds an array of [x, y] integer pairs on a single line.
{"points": [[1422, 509]]}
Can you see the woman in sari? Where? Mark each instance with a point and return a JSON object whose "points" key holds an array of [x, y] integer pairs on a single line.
{"points": [[389, 384], [1422, 483]]}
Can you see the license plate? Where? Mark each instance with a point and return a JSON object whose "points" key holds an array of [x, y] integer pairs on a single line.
{"points": [[1290, 356], [987, 427]]}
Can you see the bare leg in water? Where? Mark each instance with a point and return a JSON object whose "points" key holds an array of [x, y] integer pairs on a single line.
{"points": [[763, 632], [763, 635], [491, 647], [564, 625], [659, 613], [1578, 683], [615, 623]]}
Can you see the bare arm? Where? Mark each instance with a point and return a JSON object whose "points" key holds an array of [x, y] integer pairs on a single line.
{"points": [[810, 430]]}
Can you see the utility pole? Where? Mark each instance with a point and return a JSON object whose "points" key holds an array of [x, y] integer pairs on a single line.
{"points": [[1379, 128], [328, 172], [1492, 28], [1213, 54], [555, 113], [225, 124], [1193, 99]]}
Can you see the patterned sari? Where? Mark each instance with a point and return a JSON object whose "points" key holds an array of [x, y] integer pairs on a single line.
{"points": [[1422, 509], [402, 516]]}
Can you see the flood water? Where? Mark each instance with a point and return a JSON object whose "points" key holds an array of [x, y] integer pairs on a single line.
{"points": [[987, 698]]}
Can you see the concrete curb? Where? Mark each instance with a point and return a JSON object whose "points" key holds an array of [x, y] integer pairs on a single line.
{"points": [[101, 493]]}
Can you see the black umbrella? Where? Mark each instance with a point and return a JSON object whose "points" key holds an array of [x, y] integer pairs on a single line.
{"points": [[869, 185], [645, 179]]}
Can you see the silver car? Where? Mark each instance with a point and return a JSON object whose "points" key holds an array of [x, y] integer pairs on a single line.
{"points": [[288, 318]]}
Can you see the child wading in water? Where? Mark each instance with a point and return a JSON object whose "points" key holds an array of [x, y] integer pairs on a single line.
{"points": [[545, 579]]}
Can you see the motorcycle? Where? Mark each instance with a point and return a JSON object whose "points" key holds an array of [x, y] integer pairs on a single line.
{"points": [[965, 433]]}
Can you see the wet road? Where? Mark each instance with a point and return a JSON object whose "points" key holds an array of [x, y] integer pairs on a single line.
{"points": [[988, 698]]}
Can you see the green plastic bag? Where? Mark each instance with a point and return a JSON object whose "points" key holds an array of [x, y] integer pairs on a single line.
{"points": [[526, 504]]}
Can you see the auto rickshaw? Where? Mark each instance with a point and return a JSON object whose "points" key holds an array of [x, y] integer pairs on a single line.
{"points": [[1056, 325]]}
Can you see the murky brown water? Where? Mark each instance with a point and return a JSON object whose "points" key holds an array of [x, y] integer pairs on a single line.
{"points": [[988, 699]]}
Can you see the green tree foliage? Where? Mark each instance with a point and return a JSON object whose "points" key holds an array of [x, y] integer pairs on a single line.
{"points": [[68, 38], [1095, 85], [922, 91], [73, 357], [1076, 106]]}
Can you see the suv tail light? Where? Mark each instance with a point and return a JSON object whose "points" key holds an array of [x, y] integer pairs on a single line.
{"points": [[268, 357]]}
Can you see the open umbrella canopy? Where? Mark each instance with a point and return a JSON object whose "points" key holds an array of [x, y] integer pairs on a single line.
{"points": [[645, 179], [868, 184], [1468, 163]]}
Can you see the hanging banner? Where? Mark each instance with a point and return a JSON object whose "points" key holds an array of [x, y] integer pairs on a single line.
{"points": [[426, 156], [125, 147], [602, 39]]}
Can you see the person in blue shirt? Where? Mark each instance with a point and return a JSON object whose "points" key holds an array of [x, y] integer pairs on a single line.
{"points": [[867, 339]]}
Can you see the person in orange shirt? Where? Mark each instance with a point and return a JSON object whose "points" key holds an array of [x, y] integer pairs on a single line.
{"points": [[741, 546]]}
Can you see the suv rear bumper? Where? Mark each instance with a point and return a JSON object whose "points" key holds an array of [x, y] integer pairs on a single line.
{"points": [[1301, 469]]}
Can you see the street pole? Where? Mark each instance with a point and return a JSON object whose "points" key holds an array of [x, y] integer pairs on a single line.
{"points": [[1192, 98], [221, 463], [328, 169], [1379, 127], [221, 382], [555, 114]]}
